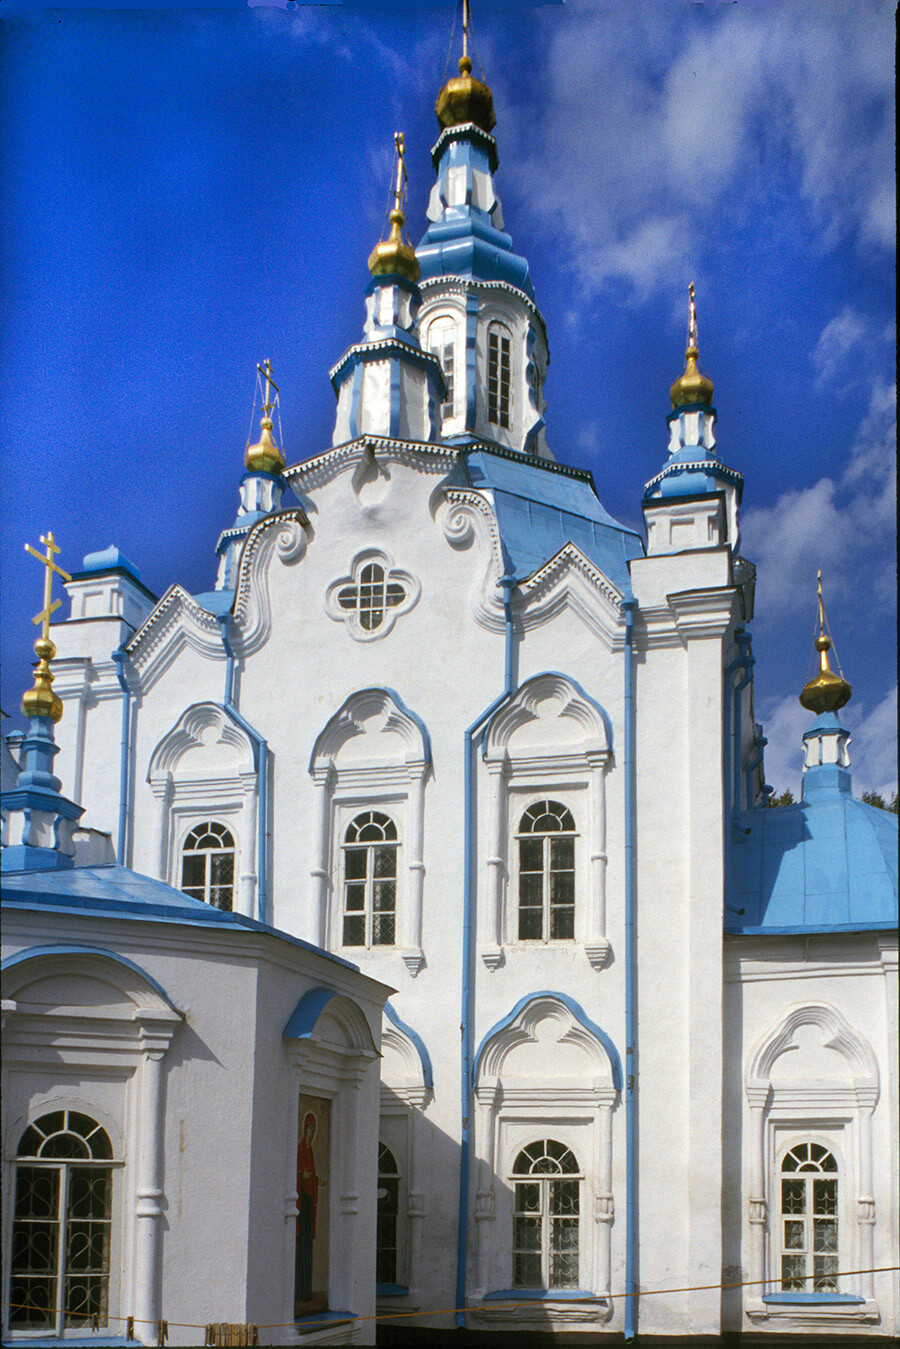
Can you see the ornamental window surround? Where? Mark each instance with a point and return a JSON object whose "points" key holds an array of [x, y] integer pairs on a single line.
{"points": [[546, 857], [499, 381], [372, 596], [62, 1222], [546, 1216], [207, 865], [387, 1227], [370, 880], [809, 1219], [442, 333]]}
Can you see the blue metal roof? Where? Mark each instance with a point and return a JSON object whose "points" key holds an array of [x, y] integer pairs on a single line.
{"points": [[827, 864], [539, 509], [116, 891]]}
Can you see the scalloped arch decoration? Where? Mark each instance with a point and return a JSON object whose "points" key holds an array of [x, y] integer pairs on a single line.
{"points": [[838, 1034], [371, 726], [542, 1020], [203, 742], [551, 714]]}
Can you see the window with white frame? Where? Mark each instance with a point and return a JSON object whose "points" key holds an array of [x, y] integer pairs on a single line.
{"points": [[499, 384], [62, 1220], [370, 880], [809, 1219], [372, 596], [442, 343], [207, 865], [388, 1222], [546, 845], [547, 1202]]}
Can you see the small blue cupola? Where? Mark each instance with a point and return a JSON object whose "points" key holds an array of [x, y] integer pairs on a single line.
{"points": [[828, 863], [386, 385], [694, 501], [261, 486], [38, 821]]}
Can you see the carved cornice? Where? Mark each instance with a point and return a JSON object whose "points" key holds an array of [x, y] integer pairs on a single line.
{"points": [[323, 467]]}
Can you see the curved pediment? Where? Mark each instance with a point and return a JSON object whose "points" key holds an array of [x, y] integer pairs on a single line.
{"points": [[371, 727], [545, 1036], [813, 1041], [203, 743], [551, 716]]}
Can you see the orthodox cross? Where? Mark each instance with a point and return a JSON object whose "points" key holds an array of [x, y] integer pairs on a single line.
{"points": [[402, 176], [692, 323], [821, 606], [50, 605], [465, 19], [266, 371]]}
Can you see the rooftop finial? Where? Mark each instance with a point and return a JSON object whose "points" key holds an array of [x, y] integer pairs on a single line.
{"points": [[393, 257], [265, 456], [692, 386], [826, 691], [41, 701], [464, 99]]}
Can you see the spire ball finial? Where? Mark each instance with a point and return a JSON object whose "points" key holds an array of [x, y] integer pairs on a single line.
{"points": [[265, 456], [827, 691], [464, 98], [393, 257], [692, 386]]}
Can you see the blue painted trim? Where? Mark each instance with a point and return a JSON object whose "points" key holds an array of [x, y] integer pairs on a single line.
{"points": [[394, 423], [466, 131], [355, 396], [542, 1295], [579, 1014], [508, 583], [114, 571], [336, 1318], [424, 1056], [382, 349], [391, 1290], [302, 1021], [23, 857], [598, 707], [471, 361], [73, 949], [261, 756], [804, 931], [805, 1299], [395, 279], [631, 1059], [392, 694], [120, 656]]}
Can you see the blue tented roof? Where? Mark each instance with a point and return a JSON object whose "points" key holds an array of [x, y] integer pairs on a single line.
{"points": [[826, 864], [539, 509]]}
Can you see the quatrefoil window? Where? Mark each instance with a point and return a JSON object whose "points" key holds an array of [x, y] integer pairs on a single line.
{"points": [[374, 594]]}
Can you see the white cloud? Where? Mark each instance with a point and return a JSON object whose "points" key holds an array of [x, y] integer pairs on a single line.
{"points": [[656, 128], [838, 338], [873, 744], [850, 521]]}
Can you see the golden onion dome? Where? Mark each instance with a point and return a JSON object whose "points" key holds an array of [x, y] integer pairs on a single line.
{"points": [[692, 386], [392, 257], [264, 456], [41, 701], [827, 691], [465, 99]]}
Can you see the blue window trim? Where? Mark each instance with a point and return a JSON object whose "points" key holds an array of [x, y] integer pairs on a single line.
{"points": [[419, 1043], [317, 1319], [807, 1299], [543, 1295], [391, 1290]]}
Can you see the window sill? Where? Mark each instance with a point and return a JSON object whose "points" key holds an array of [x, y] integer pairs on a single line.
{"points": [[542, 1306], [808, 1299], [811, 1310], [329, 1320], [391, 1290]]}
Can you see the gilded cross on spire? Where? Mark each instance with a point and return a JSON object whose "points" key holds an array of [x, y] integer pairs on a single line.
{"points": [[692, 320], [41, 701], [402, 176], [827, 691], [266, 371], [465, 26], [50, 606]]}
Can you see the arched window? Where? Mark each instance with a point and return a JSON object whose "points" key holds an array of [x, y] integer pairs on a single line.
{"points": [[372, 597], [546, 873], [370, 880], [388, 1214], [207, 865], [809, 1220], [545, 1223], [61, 1224], [499, 382], [442, 343]]}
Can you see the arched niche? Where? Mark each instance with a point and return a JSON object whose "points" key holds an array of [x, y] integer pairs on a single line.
{"points": [[553, 739], [205, 768], [372, 752], [407, 1084]]}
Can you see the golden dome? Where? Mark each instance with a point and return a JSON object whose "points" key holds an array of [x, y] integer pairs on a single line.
{"points": [[392, 257], [826, 692], [264, 456], [465, 99], [41, 701], [692, 386]]}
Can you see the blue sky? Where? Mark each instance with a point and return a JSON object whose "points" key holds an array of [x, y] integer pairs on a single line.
{"points": [[189, 190]]}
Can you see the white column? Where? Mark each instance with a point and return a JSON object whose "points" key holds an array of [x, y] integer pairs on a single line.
{"points": [[156, 1031], [316, 923], [492, 921], [485, 1196], [603, 1199], [161, 787], [347, 1226], [595, 941], [865, 1203], [413, 957], [250, 784], [415, 1198], [757, 1097]]}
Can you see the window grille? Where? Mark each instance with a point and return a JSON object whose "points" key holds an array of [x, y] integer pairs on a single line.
{"points": [[62, 1218], [388, 1217], [809, 1220], [372, 597], [546, 873], [546, 1216], [370, 880], [498, 375], [207, 865]]}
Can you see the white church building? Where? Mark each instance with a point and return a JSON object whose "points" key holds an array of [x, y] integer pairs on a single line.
{"points": [[444, 718]]}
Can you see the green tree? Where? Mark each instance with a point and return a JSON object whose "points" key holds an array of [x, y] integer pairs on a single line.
{"points": [[785, 799]]}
